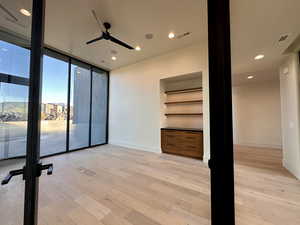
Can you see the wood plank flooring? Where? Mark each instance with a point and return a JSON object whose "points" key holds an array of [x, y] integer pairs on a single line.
{"points": [[110, 185]]}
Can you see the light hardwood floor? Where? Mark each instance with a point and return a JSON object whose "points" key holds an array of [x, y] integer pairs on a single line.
{"points": [[110, 185]]}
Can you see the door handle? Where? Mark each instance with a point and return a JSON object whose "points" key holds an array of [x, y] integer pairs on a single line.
{"points": [[40, 168], [48, 167], [12, 174]]}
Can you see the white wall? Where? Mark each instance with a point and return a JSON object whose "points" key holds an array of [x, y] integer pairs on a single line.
{"points": [[256, 114], [135, 97], [290, 111]]}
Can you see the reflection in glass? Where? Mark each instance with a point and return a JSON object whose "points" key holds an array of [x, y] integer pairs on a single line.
{"points": [[99, 107], [79, 106], [54, 105]]}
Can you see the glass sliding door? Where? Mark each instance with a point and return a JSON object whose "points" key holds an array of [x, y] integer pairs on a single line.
{"points": [[54, 104], [80, 95], [99, 107]]}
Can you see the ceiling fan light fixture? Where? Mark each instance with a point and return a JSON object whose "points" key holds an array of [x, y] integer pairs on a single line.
{"points": [[114, 58], [171, 35], [25, 12], [138, 48], [250, 77]]}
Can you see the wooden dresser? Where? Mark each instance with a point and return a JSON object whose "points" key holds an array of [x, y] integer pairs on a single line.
{"points": [[184, 142]]}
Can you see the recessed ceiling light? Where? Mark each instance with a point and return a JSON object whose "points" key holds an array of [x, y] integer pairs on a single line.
{"points": [[258, 57], [114, 58], [25, 12], [171, 35], [250, 77], [138, 48]]}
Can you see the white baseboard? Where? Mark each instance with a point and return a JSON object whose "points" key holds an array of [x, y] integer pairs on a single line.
{"points": [[255, 145], [143, 148], [205, 159], [291, 170], [137, 147]]}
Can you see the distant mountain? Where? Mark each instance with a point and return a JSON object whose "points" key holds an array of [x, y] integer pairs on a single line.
{"points": [[13, 111], [14, 107]]}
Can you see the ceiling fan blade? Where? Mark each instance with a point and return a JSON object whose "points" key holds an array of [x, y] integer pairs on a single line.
{"points": [[100, 24], [117, 41], [8, 13], [94, 40]]}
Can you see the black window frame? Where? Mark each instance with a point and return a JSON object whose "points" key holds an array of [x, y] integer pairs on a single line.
{"points": [[72, 59], [49, 51]]}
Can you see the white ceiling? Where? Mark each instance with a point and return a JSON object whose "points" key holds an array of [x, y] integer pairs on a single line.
{"points": [[256, 28], [130, 20]]}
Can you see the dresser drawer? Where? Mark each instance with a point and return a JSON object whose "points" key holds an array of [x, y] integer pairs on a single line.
{"points": [[191, 136], [184, 143]]}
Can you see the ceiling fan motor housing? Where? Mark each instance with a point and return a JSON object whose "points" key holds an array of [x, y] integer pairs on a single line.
{"points": [[107, 25], [106, 35]]}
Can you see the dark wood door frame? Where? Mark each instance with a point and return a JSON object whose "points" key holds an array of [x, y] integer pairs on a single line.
{"points": [[221, 137]]}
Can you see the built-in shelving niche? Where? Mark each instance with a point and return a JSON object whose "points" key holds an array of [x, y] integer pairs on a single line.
{"points": [[182, 101]]}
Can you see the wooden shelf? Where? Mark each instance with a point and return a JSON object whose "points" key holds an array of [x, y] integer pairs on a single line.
{"points": [[184, 102], [184, 91], [183, 114], [182, 129]]}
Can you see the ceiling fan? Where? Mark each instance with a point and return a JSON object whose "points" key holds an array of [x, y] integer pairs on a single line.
{"points": [[104, 27]]}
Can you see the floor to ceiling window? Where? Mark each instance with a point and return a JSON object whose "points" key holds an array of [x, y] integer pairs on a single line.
{"points": [[80, 105], [54, 103], [14, 73], [99, 106], [86, 106]]}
